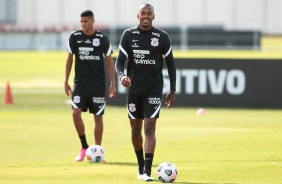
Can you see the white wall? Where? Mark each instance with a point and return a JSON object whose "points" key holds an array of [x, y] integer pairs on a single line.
{"points": [[250, 14], [232, 14]]}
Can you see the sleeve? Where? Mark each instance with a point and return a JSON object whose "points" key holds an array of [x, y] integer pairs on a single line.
{"points": [[170, 63], [108, 50], [122, 55], [71, 44]]}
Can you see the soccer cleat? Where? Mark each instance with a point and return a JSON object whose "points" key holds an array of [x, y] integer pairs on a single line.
{"points": [[104, 160], [81, 155], [139, 175], [147, 178]]}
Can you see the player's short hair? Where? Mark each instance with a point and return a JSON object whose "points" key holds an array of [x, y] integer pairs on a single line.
{"points": [[147, 4], [87, 13]]}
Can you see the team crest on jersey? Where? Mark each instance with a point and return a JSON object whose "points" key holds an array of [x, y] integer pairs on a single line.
{"points": [[76, 99], [96, 42], [154, 42], [131, 107]]}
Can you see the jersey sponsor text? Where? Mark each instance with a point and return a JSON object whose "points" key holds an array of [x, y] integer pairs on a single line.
{"points": [[139, 57], [84, 54]]}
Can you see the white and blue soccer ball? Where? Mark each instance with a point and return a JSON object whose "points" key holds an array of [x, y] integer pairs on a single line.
{"points": [[95, 153], [166, 172]]}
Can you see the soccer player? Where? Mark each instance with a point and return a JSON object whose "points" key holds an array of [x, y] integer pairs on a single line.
{"points": [[89, 46], [146, 47]]}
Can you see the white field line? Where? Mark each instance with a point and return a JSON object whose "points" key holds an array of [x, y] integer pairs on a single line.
{"points": [[35, 91], [39, 91], [37, 86], [32, 85]]}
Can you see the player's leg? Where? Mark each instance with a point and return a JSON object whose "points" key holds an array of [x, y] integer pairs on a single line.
{"points": [[136, 136], [149, 146], [152, 104], [78, 122], [98, 129], [79, 125], [135, 114], [77, 106], [97, 107], [150, 137], [137, 142]]}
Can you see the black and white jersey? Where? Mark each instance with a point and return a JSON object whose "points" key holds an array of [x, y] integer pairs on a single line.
{"points": [[146, 51], [89, 54]]}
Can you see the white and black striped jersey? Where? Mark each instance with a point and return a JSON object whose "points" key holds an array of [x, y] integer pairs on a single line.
{"points": [[145, 51], [89, 54]]}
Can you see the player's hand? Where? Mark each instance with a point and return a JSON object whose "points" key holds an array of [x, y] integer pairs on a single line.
{"points": [[170, 98], [112, 91], [67, 89], [126, 82]]}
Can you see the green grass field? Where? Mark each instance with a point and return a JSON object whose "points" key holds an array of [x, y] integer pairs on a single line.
{"points": [[39, 141]]}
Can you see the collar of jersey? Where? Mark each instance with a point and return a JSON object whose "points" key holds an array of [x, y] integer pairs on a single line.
{"points": [[143, 31]]}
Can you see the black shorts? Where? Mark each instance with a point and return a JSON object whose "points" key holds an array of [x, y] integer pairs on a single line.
{"points": [[140, 106], [86, 100]]}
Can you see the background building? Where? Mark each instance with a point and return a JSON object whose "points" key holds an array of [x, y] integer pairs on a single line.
{"points": [[46, 24]]}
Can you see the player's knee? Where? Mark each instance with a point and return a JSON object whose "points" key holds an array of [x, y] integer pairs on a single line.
{"points": [[76, 113], [98, 118], [149, 129], [136, 131]]}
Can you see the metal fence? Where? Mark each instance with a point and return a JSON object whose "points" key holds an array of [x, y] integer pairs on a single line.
{"points": [[15, 37]]}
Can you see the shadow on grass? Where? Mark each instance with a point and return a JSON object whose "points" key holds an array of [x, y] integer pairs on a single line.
{"points": [[121, 163], [201, 183], [126, 164], [135, 164]]}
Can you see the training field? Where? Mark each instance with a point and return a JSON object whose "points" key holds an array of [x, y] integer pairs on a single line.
{"points": [[39, 143]]}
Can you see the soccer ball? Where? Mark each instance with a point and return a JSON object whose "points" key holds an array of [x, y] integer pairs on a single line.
{"points": [[166, 172], [95, 153]]}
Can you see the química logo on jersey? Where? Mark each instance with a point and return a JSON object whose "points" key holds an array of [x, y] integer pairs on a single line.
{"points": [[140, 57], [145, 61], [84, 54]]}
